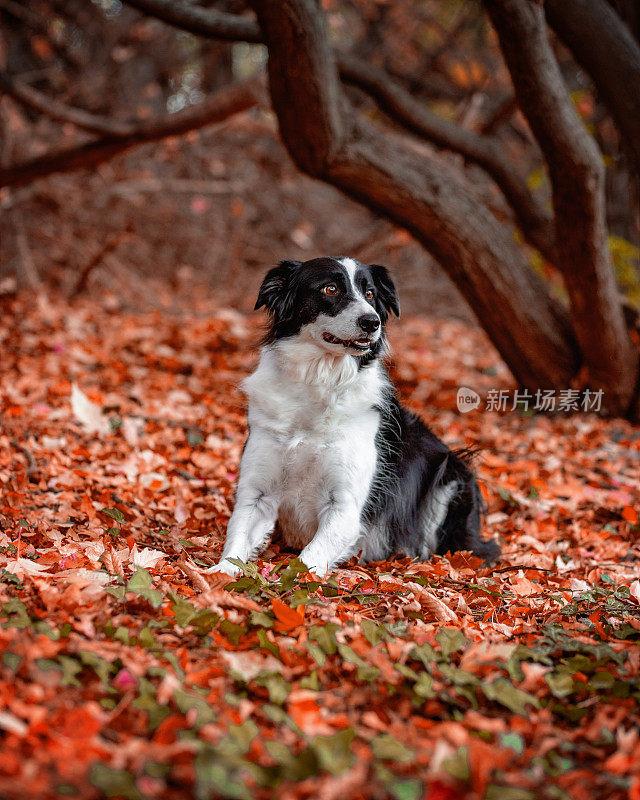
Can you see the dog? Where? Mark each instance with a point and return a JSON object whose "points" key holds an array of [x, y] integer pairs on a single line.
{"points": [[331, 455]]}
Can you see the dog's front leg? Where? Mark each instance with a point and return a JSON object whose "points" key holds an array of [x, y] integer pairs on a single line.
{"points": [[256, 509], [336, 539]]}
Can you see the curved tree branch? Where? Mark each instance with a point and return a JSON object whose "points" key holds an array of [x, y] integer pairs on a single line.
{"points": [[419, 192], [536, 223], [607, 50], [216, 108], [201, 21], [37, 101], [577, 178]]}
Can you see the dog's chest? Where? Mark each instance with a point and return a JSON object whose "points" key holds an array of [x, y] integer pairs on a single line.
{"points": [[319, 467], [321, 438], [313, 407]]}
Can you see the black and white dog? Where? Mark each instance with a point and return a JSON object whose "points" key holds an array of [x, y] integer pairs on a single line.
{"points": [[331, 454]]}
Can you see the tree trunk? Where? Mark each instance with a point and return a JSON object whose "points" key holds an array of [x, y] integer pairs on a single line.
{"points": [[577, 178], [607, 50], [418, 191]]}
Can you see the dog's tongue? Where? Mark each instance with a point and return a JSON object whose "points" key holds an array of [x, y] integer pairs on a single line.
{"points": [[362, 342]]}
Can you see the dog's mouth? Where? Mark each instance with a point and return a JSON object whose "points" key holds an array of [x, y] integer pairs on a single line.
{"points": [[364, 343]]}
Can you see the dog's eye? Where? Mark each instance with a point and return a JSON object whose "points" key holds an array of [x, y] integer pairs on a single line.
{"points": [[369, 294], [330, 289]]}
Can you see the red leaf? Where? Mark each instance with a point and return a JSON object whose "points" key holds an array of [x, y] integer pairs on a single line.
{"points": [[288, 618]]}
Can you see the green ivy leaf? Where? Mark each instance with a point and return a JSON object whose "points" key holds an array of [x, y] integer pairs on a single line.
{"points": [[114, 782], [186, 701], [243, 734], [451, 640], [387, 747], [311, 682], [16, 613], [495, 792], [504, 692], [333, 752], [114, 513], [266, 643], [325, 636], [316, 653], [277, 687], [560, 683], [373, 632], [513, 741], [458, 765], [141, 584], [11, 660]]}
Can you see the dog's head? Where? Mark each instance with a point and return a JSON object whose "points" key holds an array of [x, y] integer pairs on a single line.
{"points": [[338, 304]]}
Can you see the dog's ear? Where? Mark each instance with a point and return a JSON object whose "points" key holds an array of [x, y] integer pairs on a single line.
{"points": [[275, 293], [387, 294]]}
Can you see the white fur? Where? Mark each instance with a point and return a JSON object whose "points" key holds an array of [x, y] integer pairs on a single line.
{"points": [[433, 515], [310, 457]]}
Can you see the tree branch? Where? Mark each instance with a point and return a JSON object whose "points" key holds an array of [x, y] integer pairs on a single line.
{"points": [[503, 112], [201, 21], [536, 223], [216, 108], [37, 101], [577, 178], [607, 50]]}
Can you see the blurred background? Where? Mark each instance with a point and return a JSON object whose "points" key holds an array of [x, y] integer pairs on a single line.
{"points": [[222, 203]]}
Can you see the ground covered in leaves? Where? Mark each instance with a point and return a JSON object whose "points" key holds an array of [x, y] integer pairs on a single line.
{"points": [[128, 671]]}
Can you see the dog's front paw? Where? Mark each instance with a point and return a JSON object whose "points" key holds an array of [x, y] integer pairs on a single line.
{"points": [[225, 566], [318, 566]]}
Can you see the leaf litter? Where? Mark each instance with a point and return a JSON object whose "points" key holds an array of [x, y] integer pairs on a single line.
{"points": [[129, 670]]}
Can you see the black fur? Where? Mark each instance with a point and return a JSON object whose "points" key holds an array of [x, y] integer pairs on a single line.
{"points": [[412, 463]]}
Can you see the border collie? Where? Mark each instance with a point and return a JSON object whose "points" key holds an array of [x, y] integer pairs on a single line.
{"points": [[331, 454]]}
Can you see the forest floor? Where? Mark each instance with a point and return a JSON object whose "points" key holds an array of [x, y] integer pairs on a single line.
{"points": [[127, 671]]}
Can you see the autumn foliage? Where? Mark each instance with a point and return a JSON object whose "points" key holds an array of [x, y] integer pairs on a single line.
{"points": [[128, 671]]}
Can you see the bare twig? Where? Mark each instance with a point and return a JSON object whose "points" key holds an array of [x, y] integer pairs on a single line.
{"points": [[29, 273], [523, 567], [501, 114], [37, 101], [32, 465], [201, 21], [216, 108], [108, 247]]}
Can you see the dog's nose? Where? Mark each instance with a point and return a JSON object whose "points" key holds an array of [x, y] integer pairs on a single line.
{"points": [[369, 322]]}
